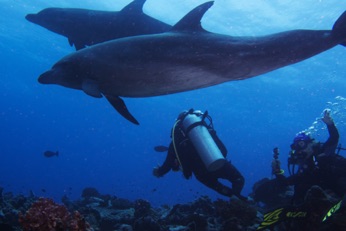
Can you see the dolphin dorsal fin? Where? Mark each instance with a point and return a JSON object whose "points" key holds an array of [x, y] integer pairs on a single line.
{"points": [[192, 21], [134, 7]]}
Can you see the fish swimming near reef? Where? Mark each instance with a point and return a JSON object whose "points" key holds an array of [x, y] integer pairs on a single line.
{"points": [[51, 154], [85, 27], [185, 58]]}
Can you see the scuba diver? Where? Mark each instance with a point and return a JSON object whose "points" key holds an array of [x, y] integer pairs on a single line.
{"points": [[195, 148], [319, 182], [310, 163], [317, 162]]}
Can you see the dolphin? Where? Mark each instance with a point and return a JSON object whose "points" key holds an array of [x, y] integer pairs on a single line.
{"points": [[185, 58], [88, 27]]}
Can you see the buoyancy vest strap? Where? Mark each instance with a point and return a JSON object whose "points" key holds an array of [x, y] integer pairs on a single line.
{"points": [[174, 145], [192, 126]]}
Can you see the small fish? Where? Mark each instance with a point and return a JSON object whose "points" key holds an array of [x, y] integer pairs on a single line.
{"points": [[50, 153]]}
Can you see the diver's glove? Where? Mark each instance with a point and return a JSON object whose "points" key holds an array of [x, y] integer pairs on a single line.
{"points": [[156, 171], [327, 119]]}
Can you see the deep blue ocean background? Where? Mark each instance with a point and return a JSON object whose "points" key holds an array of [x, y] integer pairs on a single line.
{"points": [[98, 148]]}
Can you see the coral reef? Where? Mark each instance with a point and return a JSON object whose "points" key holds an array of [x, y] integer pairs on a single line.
{"points": [[10, 206], [46, 215], [109, 213]]}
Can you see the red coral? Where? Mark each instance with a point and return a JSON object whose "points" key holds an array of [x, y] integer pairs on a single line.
{"points": [[77, 222], [46, 215]]}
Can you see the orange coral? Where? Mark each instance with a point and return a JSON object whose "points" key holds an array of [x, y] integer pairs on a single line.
{"points": [[46, 215]]}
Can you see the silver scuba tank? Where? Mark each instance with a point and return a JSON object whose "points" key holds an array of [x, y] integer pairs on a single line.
{"points": [[203, 142]]}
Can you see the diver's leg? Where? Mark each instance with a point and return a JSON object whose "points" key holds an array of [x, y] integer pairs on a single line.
{"points": [[214, 184], [229, 172]]}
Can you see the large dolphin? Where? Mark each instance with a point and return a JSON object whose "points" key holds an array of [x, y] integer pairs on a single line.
{"points": [[87, 27], [185, 58]]}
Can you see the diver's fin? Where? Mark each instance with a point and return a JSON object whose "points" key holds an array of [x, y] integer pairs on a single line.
{"points": [[332, 210], [120, 106], [271, 218], [192, 21], [134, 7], [91, 88], [161, 148], [339, 29], [282, 214]]}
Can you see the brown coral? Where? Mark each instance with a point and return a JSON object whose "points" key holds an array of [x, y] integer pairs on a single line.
{"points": [[46, 215]]}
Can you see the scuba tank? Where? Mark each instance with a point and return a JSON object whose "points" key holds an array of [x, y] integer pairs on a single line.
{"points": [[196, 129]]}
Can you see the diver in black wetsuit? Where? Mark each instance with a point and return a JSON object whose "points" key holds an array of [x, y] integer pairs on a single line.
{"points": [[310, 163], [183, 155], [317, 162]]}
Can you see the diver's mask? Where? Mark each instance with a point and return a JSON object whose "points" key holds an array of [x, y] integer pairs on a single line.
{"points": [[299, 155]]}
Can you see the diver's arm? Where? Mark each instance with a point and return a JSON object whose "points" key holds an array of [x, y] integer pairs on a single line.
{"points": [[169, 162], [333, 135], [330, 145]]}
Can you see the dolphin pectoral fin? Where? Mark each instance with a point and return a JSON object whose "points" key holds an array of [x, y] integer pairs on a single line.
{"points": [[339, 29], [90, 88], [121, 108], [192, 21], [134, 7]]}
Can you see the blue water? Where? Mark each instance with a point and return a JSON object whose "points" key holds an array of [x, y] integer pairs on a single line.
{"points": [[99, 148]]}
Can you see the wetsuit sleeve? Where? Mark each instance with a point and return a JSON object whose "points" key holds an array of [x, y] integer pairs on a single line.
{"points": [[219, 143], [169, 162], [330, 145]]}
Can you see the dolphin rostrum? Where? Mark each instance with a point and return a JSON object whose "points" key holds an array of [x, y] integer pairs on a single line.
{"points": [[185, 58], [87, 27]]}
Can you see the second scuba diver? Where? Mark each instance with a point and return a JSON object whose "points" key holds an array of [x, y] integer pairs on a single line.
{"points": [[195, 148], [317, 162]]}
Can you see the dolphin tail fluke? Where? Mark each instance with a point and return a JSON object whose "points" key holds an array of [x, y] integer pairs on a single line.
{"points": [[121, 108], [339, 29]]}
